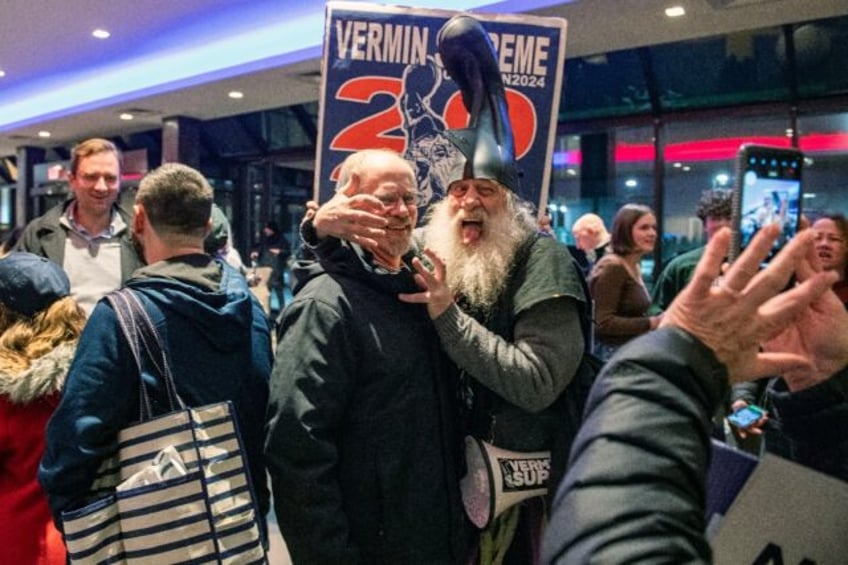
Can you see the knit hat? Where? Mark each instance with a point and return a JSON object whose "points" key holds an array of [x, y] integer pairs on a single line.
{"points": [[29, 283]]}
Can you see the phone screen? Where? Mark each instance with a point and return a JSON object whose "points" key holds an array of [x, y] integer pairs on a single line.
{"points": [[745, 417], [768, 192]]}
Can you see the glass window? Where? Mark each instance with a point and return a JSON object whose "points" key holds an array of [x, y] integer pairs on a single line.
{"points": [[604, 85], [599, 173], [259, 196], [821, 49], [824, 141], [564, 192], [284, 127], [732, 69], [290, 189]]}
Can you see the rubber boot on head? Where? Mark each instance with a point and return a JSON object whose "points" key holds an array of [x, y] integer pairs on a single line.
{"points": [[469, 58]]}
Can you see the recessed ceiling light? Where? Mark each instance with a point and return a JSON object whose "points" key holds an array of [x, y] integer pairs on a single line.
{"points": [[675, 11], [677, 165], [44, 133], [126, 116], [100, 33], [2, 73], [236, 94]]}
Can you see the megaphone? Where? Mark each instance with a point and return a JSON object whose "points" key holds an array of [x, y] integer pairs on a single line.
{"points": [[497, 478]]}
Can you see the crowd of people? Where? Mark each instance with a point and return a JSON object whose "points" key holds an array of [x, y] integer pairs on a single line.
{"points": [[362, 436], [402, 338]]}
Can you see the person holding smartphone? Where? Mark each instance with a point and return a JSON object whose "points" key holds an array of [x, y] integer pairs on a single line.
{"points": [[643, 449], [830, 232]]}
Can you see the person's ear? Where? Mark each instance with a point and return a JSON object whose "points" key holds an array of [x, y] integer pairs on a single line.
{"points": [[352, 186], [139, 219]]}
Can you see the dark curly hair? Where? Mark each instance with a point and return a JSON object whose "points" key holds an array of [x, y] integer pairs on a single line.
{"points": [[715, 203]]}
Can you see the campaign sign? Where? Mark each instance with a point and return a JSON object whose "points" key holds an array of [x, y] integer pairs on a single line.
{"points": [[728, 472], [785, 513], [383, 86]]}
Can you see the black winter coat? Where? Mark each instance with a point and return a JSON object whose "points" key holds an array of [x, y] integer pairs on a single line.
{"points": [[361, 449], [635, 487]]}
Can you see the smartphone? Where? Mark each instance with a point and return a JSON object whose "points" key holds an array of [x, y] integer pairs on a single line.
{"points": [[746, 417], [767, 191]]}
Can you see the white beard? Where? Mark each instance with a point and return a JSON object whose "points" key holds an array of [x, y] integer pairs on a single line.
{"points": [[478, 273]]}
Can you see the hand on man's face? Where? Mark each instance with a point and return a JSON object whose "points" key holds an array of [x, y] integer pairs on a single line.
{"points": [[354, 218], [737, 315]]}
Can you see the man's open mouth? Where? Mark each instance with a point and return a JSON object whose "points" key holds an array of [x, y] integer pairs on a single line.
{"points": [[472, 230]]}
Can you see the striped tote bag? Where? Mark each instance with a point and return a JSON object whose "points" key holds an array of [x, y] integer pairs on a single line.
{"points": [[178, 489]]}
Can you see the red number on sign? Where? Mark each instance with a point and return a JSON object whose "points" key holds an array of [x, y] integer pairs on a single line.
{"points": [[371, 131]]}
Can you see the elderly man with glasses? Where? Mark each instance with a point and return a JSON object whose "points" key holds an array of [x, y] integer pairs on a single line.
{"points": [[360, 443]]}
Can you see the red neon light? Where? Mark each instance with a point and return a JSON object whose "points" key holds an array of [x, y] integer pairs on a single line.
{"points": [[824, 142], [717, 149], [625, 153], [723, 149]]}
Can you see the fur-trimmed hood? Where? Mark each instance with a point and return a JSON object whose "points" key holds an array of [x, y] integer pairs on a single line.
{"points": [[45, 376]]}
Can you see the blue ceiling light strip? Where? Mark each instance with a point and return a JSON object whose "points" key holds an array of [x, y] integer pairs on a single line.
{"points": [[280, 38]]}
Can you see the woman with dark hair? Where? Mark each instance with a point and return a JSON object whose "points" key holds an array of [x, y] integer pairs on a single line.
{"points": [[618, 291], [39, 328], [832, 250]]}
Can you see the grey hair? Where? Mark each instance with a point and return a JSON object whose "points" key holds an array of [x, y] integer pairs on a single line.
{"points": [[357, 164]]}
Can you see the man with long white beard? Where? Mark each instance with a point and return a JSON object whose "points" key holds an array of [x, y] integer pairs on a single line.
{"points": [[506, 303], [460, 229]]}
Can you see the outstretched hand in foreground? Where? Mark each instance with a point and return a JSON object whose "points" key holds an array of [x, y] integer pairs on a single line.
{"points": [[753, 328], [819, 332]]}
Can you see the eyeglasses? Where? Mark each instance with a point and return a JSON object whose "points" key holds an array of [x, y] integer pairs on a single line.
{"points": [[484, 189], [91, 179], [389, 201]]}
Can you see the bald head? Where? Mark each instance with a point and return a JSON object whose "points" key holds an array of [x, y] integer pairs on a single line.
{"points": [[589, 232], [367, 163]]}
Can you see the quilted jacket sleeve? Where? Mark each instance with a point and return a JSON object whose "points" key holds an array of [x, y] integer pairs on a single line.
{"points": [[635, 488]]}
